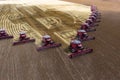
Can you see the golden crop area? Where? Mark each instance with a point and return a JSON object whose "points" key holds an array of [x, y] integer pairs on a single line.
{"points": [[59, 21]]}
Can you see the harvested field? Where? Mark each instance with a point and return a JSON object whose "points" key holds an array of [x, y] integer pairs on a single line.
{"points": [[23, 62]]}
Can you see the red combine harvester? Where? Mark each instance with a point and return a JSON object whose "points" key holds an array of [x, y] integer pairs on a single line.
{"points": [[91, 23], [4, 35], [94, 11], [23, 39], [77, 49], [47, 43], [94, 17], [93, 8], [87, 27], [83, 36]]}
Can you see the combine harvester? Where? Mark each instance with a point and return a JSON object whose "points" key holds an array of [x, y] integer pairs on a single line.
{"points": [[83, 36], [95, 13], [87, 28], [47, 43], [4, 35], [23, 39], [90, 23], [77, 49]]}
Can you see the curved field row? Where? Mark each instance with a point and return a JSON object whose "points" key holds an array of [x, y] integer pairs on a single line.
{"points": [[30, 10], [50, 22], [14, 29], [78, 17], [77, 11]]}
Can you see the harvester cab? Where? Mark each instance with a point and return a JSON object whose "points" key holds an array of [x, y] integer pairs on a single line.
{"points": [[22, 35]]}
